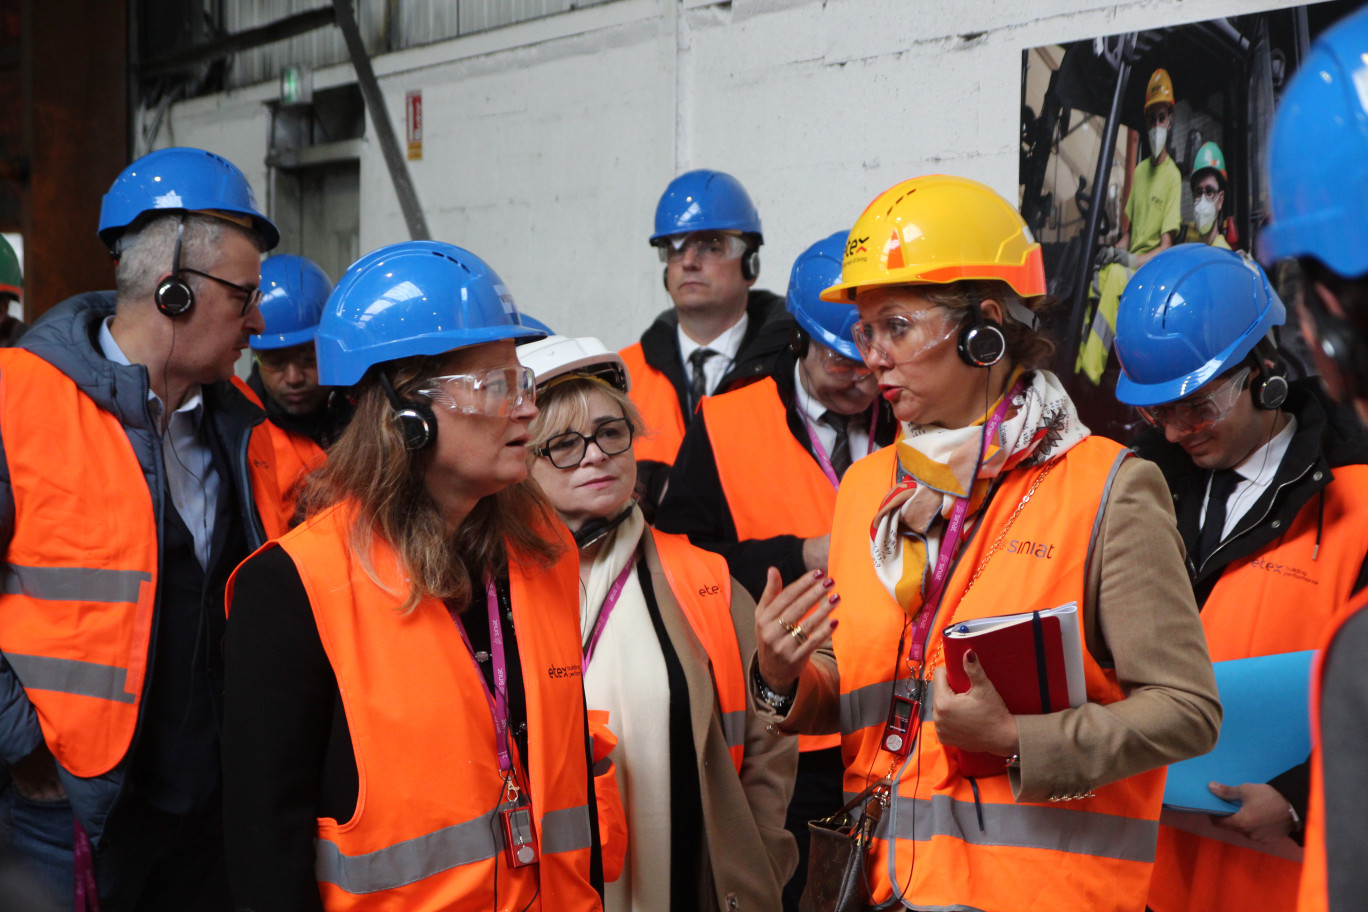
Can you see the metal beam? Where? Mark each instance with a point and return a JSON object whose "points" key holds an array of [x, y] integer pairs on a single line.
{"points": [[279, 30], [379, 114]]}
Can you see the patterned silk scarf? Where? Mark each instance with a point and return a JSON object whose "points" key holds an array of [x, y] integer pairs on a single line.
{"points": [[936, 467]]}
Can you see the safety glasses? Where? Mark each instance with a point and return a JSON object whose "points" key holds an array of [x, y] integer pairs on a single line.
{"points": [[251, 294], [708, 246], [567, 450], [842, 368], [495, 392], [903, 337], [1198, 412]]}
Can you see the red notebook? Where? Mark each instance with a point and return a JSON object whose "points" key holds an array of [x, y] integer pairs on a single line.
{"points": [[1034, 659]]}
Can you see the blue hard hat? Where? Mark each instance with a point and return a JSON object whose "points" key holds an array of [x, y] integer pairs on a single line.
{"points": [[1318, 155], [412, 298], [293, 292], [180, 179], [1187, 316], [816, 269], [705, 201], [529, 320]]}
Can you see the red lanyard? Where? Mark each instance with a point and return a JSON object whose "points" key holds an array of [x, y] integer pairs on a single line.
{"points": [[498, 698], [609, 603], [941, 573]]}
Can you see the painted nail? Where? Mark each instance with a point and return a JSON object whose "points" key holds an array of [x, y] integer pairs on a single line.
{"points": [[834, 622], [972, 657], [828, 583], [818, 574], [834, 597]]}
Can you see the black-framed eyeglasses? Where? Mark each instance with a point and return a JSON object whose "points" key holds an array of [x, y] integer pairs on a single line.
{"points": [[567, 450], [251, 293]]}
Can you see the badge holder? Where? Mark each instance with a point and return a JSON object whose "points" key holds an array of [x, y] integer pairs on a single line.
{"points": [[904, 720], [519, 832]]}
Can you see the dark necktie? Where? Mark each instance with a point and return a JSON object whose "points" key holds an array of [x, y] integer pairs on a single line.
{"points": [[698, 381], [840, 450], [1223, 483]]}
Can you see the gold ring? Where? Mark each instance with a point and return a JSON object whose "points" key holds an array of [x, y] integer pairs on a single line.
{"points": [[785, 624], [798, 633]]}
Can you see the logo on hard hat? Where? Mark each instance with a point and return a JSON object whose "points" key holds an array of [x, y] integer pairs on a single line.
{"points": [[856, 245], [506, 299], [170, 200]]}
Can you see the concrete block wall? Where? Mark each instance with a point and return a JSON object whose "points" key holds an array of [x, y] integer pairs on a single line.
{"points": [[547, 144]]}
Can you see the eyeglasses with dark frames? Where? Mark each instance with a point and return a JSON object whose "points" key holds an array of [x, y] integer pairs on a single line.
{"points": [[251, 293], [567, 450]]}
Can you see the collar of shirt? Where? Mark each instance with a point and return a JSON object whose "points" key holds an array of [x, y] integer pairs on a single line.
{"points": [[1256, 472], [727, 345], [194, 402], [809, 408]]}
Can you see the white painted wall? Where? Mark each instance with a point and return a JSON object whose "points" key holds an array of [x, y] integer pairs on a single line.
{"points": [[548, 143]]}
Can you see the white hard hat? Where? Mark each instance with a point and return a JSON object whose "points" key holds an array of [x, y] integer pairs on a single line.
{"points": [[555, 356]]}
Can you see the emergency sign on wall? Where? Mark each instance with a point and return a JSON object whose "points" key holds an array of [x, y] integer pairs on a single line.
{"points": [[415, 124]]}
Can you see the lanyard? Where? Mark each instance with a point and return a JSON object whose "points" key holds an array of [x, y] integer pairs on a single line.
{"points": [[940, 575], [819, 451], [498, 699], [609, 602]]}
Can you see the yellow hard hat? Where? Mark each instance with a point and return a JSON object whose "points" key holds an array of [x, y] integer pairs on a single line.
{"points": [[1159, 90], [936, 230]]}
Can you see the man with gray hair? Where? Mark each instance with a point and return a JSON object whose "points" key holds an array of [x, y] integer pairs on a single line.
{"points": [[129, 464]]}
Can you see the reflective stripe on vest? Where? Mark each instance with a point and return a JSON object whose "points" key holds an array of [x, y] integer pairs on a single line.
{"points": [[772, 485], [420, 836], [658, 401], [1281, 598], [1100, 332], [1314, 894], [701, 584], [287, 458], [80, 571], [1092, 853]]}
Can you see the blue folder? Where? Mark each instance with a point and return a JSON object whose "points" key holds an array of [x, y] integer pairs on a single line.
{"points": [[1265, 730]]}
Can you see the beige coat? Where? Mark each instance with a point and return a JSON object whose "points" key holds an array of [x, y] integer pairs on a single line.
{"points": [[743, 816]]}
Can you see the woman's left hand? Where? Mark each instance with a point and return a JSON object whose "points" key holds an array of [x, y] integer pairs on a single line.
{"points": [[1263, 815], [976, 720]]}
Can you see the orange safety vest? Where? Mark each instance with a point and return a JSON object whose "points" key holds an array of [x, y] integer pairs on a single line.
{"points": [[658, 401], [1314, 894], [1279, 599], [930, 851], [77, 610], [701, 584], [294, 456], [784, 493], [422, 837]]}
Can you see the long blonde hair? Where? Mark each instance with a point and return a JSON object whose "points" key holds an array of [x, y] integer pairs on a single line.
{"points": [[370, 467]]}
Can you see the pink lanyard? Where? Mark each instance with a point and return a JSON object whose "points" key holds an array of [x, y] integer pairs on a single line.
{"points": [[609, 602], [498, 699], [931, 604], [820, 452]]}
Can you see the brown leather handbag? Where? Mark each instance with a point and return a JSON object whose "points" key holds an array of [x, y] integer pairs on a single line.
{"points": [[836, 876]]}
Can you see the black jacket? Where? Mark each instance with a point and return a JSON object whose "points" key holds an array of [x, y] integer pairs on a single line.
{"points": [[767, 334], [1327, 436], [695, 504]]}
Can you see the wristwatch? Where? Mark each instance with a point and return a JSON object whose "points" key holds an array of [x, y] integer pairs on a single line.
{"points": [[776, 701]]}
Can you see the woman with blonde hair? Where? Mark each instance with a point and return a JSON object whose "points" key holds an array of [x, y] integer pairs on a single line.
{"points": [[995, 500], [404, 722], [664, 632]]}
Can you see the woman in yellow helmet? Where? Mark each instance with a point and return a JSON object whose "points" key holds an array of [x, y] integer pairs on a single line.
{"points": [[995, 500]]}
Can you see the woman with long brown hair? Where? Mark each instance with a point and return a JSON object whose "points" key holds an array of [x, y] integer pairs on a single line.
{"points": [[404, 721]]}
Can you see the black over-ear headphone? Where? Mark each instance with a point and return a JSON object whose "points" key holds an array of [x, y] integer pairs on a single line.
{"points": [[1269, 388], [750, 260], [417, 423], [981, 342], [174, 296]]}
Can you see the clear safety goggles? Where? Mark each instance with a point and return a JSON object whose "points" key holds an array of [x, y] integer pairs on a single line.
{"points": [[566, 451], [278, 360], [708, 246], [842, 368], [1198, 412], [903, 337], [495, 392]]}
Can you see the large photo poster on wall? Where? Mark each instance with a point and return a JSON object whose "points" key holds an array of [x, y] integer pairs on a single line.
{"points": [[1142, 140]]}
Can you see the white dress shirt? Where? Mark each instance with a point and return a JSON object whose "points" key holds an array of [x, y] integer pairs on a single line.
{"points": [[812, 410], [726, 345], [190, 474], [1256, 474]]}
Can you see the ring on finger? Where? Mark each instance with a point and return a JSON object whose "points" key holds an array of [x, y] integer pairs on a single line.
{"points": [[798, 633], [786, 625]]}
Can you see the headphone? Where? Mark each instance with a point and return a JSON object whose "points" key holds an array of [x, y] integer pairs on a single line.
{"points": [[417, 423], [1337, 337], [1270, 387], [981, 342], [174, 296]]}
